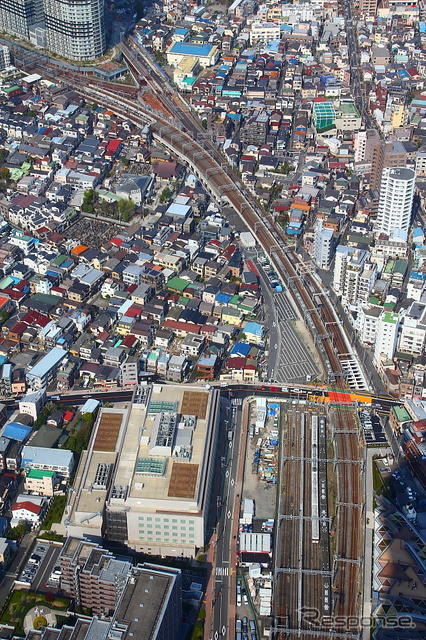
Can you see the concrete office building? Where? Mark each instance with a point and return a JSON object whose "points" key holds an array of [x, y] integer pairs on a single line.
{"points": [[75, 30], [396, 201], [413, 331], [145, 481]]}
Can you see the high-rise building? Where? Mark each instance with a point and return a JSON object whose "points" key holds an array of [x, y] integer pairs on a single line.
{"points": [[396, 200], [387, 336], [92, 576], [384, 155], [4, 57], [17, 16], [75, 30], [364, 145], [142, 602], [354, 276], [72, 29], [323, 245]]}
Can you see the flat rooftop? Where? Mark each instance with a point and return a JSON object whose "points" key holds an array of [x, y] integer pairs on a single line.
{"points": [[96, 467], [143, 601], [165, 444]]}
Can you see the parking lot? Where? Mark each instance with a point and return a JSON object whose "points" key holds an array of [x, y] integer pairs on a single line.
{"points": [[245, 628], [41, 571], [372, 428]]}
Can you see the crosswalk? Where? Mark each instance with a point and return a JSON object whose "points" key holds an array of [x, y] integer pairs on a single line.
{"points": [[222, 571]]}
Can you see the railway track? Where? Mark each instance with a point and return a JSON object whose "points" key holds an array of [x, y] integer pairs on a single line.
{"points": [[349, 527], [302, 560]]}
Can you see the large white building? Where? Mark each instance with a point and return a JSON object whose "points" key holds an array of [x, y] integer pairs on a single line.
{"points": [[396, 200], [73, 30], [387, 336], [18, 16], [367, 321], [145, 481]]}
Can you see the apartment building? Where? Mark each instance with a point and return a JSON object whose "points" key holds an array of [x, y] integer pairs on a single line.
{"points": [[353, 276], [43, 373], [74, 30], [396, 201], [386, 337], [413, 330], [92, 576]]}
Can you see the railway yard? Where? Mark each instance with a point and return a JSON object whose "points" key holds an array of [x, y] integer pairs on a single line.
{"points": [[320, 522]]}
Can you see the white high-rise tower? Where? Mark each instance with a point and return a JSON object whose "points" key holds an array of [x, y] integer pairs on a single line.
{"points": [[396, 200], [75, 29]]}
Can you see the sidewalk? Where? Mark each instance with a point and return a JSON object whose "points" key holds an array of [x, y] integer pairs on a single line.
{"points": [[211, 561], [235, 520], [368, 538]]}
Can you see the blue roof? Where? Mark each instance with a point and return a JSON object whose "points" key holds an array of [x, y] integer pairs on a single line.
{"points": [[253, 327], [241, 349], [418, 232], [43, 366], [191, 49], [223, 297], [181, 31], [46, 456], [16, 431]]}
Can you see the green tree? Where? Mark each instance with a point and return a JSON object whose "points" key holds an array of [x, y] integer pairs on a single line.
{"points": [[166, 194], [4, 174], [89, 196], [126, 209], [18, 532]]}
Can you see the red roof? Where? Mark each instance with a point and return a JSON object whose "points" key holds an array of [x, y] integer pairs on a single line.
{"points": [[182, 326], [29, 506], [129, 341], [68, 415], [133, 312], [419, 425]]}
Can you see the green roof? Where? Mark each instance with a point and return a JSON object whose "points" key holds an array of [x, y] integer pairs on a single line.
{"points": [[373, 300], [59, 260], [391, 318], [40, 473], [177, 284], [389, 306], [348, 109], [401, 266], [401, 414]]}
